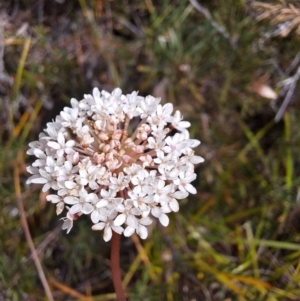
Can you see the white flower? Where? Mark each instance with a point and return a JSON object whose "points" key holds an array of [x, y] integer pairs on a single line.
{"points": [[141, 201], [97, 214], [141, 180], [160, 190], [184, 180], [119, 183], [127, 211], [68, 221], [47, 179], [102, 164], [88, 175], [61, 146], [148, 106], [138, 226], [178, 123], [66, 172], [171, 200], [70, 117], [160, 214], [108, 227], [162, 115], [81, 204], [175, 144], [130, 103]]}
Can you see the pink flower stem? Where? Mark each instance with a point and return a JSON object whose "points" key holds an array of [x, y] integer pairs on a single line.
{"points": [[115, 266]]}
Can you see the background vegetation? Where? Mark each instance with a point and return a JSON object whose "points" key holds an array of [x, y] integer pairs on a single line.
{"points": [[238, 238]]}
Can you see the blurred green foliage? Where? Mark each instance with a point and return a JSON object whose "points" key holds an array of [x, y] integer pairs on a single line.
{"points": [[238, 238]]}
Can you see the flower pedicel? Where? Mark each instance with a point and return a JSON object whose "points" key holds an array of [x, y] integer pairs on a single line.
{"points": [[101, 164]]}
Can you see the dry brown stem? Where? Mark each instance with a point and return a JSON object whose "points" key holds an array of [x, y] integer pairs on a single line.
{"points": [[27, 232]]}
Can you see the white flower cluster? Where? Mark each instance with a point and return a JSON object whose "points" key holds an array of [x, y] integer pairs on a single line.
{"points": [[122, 159]]}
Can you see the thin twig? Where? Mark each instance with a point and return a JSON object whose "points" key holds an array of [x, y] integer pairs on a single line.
{"points": [[68, 290], [27, 232], [294, 63], [115, 266], [290, 83], [3, 75], [42, 246], [141, 250], [219, 28]]}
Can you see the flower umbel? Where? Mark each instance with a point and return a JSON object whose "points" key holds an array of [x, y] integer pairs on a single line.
{"points": [[122, 159]]}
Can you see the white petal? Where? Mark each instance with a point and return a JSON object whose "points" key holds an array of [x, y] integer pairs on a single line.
{"points": [[117, 92], [193, 142], [71, 200], [44, 174], [118, 230], [60, 153], [61, 138], [68, 165], [102, 203], [65, 116], [82, 181], [76, 208], [156, 211], [29, 180], [180, 195], [50, 161], [39, 181], [70, 143], [184, 124], [39, 153], [62, 192], [107, 234], [70, 184], [159, 110], [174, 205], [59, 208], [146, 221], [168, 109], [53, 198], [87, 208], [196, 159], [74, 102], [46, 187], [74, 113], [190, 188], [164, 220], [54, 145], [39, 163], [128, 231], [93, 185], [32, 170], [137, 211], [131, 221], [99, 226], [95, 216], [120, 220], [96, 92], [142, 231], [68, 224]]}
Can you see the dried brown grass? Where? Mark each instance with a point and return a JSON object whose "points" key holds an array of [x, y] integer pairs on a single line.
{"points": [[286, 16]]}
